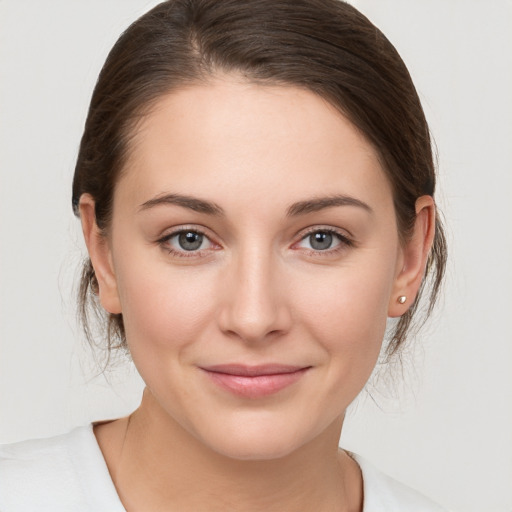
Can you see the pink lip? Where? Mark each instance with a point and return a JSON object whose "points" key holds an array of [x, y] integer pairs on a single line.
{"points": [[254, 381]]}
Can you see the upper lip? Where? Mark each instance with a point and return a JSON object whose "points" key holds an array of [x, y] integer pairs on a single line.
{"points": [[253, 371]]}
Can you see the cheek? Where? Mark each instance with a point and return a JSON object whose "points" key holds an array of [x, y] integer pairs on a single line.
{"points": [[353, 302], [164, 308], [346, 313]]}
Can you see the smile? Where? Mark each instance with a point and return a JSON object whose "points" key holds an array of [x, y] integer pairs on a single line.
{"points": [[254, 381]]}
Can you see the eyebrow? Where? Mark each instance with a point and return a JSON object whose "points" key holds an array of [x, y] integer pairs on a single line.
{"points": [[210, 208], [320, 203], [192, 203]]}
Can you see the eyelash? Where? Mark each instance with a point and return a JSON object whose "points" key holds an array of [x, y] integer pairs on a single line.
{"points": [[345, 242], [164, 242]]}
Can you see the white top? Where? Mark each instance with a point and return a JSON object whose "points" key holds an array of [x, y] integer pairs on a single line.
{"points": [[68, 473]]}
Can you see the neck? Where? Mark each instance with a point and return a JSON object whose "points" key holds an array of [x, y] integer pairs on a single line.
{"points": [[156, 463]]}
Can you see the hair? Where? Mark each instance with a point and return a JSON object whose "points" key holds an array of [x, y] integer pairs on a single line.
{"points": [[324, 46]]}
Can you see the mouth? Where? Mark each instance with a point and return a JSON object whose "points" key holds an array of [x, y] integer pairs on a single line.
{"points": [[254, 381]]}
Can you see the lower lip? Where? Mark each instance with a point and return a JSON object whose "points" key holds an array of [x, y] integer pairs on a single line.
{"points": [[257, 386]]}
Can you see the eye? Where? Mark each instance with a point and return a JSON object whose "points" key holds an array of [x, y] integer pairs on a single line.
{"points": [[186, 240], [323, 240]]}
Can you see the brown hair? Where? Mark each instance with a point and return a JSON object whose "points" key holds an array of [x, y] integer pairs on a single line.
{"points": [[325, 46]]}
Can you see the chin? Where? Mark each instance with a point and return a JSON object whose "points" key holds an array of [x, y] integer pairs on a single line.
{"points": [[254, 449], [250, 439]]}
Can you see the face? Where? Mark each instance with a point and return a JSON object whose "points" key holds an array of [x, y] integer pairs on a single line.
{"points": [[254, 256]]}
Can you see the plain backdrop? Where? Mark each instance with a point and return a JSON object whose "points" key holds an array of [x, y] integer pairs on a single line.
{"points": [[445, 425]]}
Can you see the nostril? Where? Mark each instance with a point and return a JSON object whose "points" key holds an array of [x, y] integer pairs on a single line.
{"points": [[258, 333]]}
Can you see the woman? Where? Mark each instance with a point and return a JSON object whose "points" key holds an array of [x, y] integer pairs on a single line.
{"points": [[255, 185]]}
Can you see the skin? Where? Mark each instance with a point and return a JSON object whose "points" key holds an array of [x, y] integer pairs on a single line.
{"points": [[256, 292]]}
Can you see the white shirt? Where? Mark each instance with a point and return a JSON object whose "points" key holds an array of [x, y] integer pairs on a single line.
{"points": [[68, 473]]}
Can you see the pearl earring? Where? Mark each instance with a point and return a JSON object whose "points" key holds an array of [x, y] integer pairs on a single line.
{"points": [[401, 299]]}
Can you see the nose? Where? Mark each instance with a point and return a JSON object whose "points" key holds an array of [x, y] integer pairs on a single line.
{"points": [[256, 304]]}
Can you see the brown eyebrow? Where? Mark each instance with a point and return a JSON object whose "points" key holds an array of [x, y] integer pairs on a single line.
{"points": [[299, 208], [193, 203], [319, 203]]}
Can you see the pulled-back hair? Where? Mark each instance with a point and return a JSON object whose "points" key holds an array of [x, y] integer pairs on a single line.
{"points": [[324, 46]]}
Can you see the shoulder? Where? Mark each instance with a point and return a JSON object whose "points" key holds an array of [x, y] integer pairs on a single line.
{"points": [[65, 472], [384, 494]]}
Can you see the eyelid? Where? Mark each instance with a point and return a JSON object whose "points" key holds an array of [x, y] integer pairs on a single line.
{"points": [[342, 233], [175, 230]]}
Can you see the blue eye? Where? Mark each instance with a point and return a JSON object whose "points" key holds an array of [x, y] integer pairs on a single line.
{"points": [[323, 240], [188, 241]]}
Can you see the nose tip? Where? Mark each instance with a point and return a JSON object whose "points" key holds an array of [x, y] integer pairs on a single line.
{"points": [[255, 307], [253, 324]]}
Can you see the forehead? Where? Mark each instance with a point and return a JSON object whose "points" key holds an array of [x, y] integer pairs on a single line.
{"points": [[240, 138]]}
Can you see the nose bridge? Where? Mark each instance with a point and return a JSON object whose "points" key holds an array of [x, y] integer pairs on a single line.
{"points": [[254, 307]]}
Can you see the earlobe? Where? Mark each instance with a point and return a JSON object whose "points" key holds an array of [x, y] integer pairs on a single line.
{"points": [[100, 255], [413, 261]]}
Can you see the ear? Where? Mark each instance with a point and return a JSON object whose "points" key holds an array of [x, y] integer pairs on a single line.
{"points": [[413, 258], [101, 256]]}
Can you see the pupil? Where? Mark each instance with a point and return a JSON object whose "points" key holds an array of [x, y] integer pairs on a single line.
{"points": [[321, 240], [190, 241]]}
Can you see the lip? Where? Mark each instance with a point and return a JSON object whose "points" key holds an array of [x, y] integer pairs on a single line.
{"points": [[254, 381]]}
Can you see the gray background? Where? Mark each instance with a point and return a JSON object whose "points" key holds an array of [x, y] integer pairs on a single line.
{"points": [[445, 426]]}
